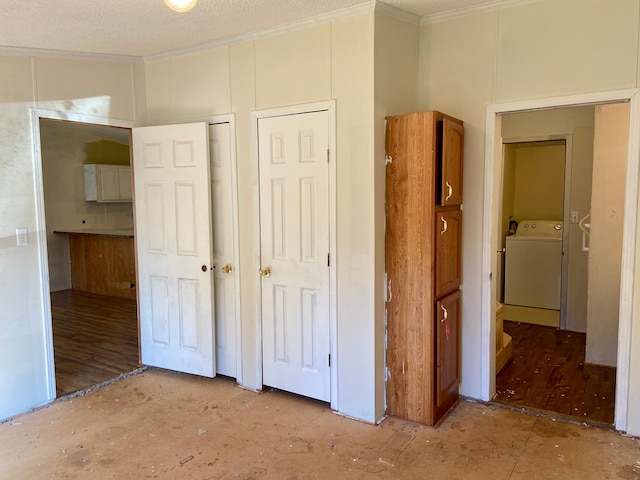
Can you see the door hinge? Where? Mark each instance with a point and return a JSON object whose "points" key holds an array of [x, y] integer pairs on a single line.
{"points": [[328, 259], [328, 155], [329, 359]]}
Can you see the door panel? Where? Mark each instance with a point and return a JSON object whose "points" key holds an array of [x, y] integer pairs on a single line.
{"points": [[452, 151], [448, 255], [447, 364], [224, 255], [173, 231], [294, 227]]}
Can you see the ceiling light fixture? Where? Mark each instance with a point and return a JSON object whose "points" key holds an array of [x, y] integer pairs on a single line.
{"points": [[180, 5]]}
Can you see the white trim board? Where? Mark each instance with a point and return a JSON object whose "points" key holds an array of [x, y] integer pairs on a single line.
{"points": [[230, 118], [43, 255], [330, 107], [361, 9], [493, 165], [476, 9]]}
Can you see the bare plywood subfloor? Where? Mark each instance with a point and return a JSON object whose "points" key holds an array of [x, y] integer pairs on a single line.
{"points": [[95, 339], [166, 425]]}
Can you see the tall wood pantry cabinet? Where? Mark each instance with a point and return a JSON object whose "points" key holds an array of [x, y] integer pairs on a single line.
{"points": [[423, 228]]}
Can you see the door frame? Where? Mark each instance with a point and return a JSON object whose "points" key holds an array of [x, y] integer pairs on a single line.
{"points": [[230, 118], [38, 114], [493, 167], [566, 203], [256, 115]]}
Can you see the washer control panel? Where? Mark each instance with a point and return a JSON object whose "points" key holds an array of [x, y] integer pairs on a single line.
{"points": [[540, 228]]}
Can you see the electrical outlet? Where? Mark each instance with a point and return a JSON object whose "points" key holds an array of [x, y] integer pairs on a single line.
{"points": [[575, 217], [22, 236]]}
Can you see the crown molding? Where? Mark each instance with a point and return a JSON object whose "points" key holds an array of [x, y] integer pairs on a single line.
{"points": [[366, 7], [39, 52], [464, 12], [397, 13]]}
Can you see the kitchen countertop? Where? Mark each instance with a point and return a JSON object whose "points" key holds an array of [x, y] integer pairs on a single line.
{"points": [[112, 232]]}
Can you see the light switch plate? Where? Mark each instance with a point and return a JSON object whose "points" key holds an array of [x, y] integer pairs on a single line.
{"points": [[22, 236]]}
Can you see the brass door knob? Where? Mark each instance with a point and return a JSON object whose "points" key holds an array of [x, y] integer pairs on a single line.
{"points": [[265, 272], [226, 269]]}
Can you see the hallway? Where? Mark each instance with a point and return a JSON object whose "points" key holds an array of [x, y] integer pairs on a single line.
{"points": [[160, 424]]}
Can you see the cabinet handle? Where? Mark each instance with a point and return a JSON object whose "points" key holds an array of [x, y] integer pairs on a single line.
{"points": [[445, 225], [450, 188], [445, 316]]}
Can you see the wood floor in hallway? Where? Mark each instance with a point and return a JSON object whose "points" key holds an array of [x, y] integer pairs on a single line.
{"points": [[547, 371], [95, 339], [166, 425]]}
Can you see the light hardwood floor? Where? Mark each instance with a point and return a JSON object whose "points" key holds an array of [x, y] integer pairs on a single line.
{"points": [[95, 339]]}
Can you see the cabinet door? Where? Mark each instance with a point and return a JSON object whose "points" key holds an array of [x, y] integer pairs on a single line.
{"points": [[451, 171], [448, 235], [447, 356], [108, 181], [124, 183]]}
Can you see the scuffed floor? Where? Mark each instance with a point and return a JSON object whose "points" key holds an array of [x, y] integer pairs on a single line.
{"points": [[166, 425]]}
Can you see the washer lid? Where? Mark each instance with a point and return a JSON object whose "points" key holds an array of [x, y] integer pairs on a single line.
{"points": [[539, 228]]}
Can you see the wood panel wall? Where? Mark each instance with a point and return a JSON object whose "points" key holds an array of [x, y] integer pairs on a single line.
{"points": [[103, 264]]}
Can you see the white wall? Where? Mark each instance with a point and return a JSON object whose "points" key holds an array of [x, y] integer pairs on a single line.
{"points": [[523, 51], [333, 60], [99, 89], [396, 92], [605, 245]]}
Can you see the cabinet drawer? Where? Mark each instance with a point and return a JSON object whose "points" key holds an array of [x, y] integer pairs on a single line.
{"points": [[448, 230]]}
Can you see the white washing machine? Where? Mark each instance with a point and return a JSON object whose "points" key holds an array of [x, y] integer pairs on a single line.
{"points": [[533, 265]]}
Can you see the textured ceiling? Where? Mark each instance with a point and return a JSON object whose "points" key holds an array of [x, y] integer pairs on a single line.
{"points": [[144, 28]]}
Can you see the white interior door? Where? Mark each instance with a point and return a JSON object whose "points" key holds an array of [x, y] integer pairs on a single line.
{"points": [[173, 232], [294, 229], [224, 250]]}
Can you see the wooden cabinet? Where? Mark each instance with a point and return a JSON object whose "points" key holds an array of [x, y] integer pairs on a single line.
{"points": [[107, 183], [423, 243], [103, 264]]}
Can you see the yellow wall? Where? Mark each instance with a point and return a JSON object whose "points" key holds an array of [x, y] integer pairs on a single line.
{"points": [[539, 181], [522, 51]]}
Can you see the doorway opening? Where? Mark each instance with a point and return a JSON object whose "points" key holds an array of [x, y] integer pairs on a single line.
{"points": [[559, 259], [88, 210], [66, 210]]}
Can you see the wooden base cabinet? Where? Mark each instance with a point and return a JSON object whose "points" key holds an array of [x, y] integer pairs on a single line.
{"points": [[423, 242]]}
